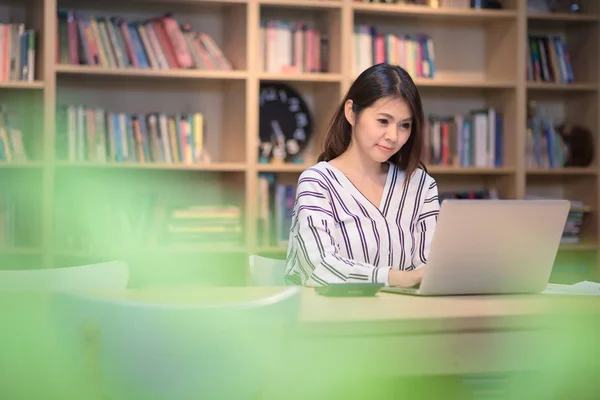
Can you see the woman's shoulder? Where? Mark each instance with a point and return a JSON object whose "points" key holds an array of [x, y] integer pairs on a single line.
{"points": [[422, 174], [318, 171], [419, 178]]}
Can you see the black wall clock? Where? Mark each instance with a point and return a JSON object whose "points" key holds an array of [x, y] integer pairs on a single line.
{"points": [[285, 124]]}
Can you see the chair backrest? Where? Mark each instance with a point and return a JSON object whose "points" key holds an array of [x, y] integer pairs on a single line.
{"points": [[153, 350], [27, 338], [267, 271], [112, 275]]}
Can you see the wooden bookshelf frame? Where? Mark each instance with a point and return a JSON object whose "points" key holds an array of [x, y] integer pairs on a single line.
{"points": [[515, 177]]}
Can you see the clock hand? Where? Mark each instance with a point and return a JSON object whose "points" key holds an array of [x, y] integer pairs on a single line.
{"points": [[277, 130]]}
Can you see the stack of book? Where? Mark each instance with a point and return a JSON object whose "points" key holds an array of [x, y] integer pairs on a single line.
{"points": [[17, 53], [7, 221], [571, 232], [12, 148], [574, 222], [544, 147], [413, 52], [203, 225], [548, 59], [111, 42], [275, 210], [292, 46], [479, 194], [471, 140], [94, 134]]}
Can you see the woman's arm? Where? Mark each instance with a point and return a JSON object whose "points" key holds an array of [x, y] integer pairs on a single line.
{"points": [[426, 223]]}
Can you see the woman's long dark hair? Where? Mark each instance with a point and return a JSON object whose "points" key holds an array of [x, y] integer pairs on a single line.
{"points": [[374, 83]]}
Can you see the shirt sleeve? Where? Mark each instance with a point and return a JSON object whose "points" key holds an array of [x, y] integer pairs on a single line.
{"points": [[426, 224], [319, 260]]}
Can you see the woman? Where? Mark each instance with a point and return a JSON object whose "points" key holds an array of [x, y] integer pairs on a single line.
{"points": [[366, 212]]}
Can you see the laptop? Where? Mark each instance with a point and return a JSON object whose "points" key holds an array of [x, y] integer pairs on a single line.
{"points": [[492, 247]]}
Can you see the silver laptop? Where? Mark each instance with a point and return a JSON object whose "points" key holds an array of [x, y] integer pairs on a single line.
{"points": [[492, 247]]}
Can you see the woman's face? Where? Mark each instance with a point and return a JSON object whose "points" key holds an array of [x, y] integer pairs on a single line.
{"points": [[382, 129]]}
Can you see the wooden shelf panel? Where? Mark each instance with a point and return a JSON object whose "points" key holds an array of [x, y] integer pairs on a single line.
{"points": [[149, 73], [442, 170], [583, 246], [21, 85], [562, 171], [302, 3], [424, 11], [25, 251], [465, 84], [563, 17], [282, 167], [576, 87], [271, 249], [177, 250], [235, 167], [20, 165], [302, 77]]}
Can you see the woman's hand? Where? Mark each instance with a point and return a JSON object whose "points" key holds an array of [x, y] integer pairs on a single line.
{"points": [[405, 278]]}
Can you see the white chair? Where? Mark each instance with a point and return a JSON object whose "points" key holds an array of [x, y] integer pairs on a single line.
{"points": [[110, 275], [38, 367], [205, 347], [267, 271]]}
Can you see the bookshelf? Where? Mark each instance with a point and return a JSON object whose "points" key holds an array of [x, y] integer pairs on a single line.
{"points": [[480, 62]]}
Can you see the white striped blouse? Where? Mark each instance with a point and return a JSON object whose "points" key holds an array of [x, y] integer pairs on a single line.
{"points": [[338, 235]]}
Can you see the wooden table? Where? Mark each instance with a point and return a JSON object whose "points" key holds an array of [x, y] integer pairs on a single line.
{"points": [[458, 334], [390, 335]]}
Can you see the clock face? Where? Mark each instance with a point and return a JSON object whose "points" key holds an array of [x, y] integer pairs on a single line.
{"points": [[285, 123]]}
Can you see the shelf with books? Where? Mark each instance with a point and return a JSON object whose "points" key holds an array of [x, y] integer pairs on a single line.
{"points": [[476, 186], [561, 133], [158, 267], [562, 54], [217, 167], [478, 63], [301, 4], [132, 215], [582, 225], [425, 12], [189, 125], [153, 36], [21, 85], [296, 40], [470, 132], [20, 211], [139, 73], [21, 28], [483, 58], [275, 202], [21, 135]]}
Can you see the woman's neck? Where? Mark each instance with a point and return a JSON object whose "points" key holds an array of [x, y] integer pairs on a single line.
{"points": [[360, 164]]}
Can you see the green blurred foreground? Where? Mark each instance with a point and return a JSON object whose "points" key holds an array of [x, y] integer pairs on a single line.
{"points": [[43, 357]]}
